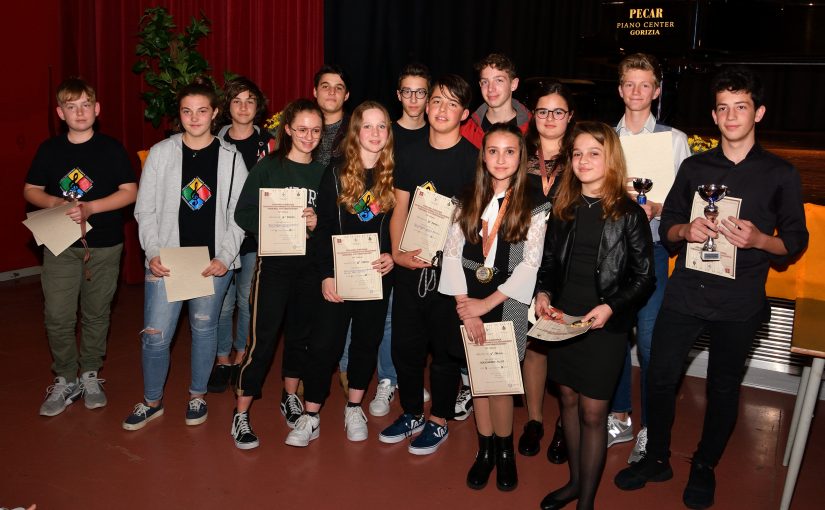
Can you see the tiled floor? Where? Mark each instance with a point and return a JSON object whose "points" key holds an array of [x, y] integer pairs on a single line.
{"points": [[82, 459]]}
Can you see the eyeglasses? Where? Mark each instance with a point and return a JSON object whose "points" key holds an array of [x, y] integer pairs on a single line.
{"points": [[419, 93], [302, 132], [558, 113]]}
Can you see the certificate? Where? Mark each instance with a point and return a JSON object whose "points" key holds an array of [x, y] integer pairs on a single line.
{"points": [[355, 278], [726, 266], [53, 228], [551, 331], [650, 156], [185, 267], [428, 223], [494, 367], [281, 229]]}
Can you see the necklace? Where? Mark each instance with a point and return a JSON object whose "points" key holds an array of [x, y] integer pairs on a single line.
{"points": [[588, 202]]}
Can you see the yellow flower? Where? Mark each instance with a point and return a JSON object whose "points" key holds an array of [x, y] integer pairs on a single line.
{"points": [[273, 122], [698, 144]]}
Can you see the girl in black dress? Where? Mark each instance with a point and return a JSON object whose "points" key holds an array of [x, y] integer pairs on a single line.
{"points": [[490, 262], [598, 264]]}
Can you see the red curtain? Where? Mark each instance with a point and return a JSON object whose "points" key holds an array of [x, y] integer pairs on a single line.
{"points": [[279, 44]]}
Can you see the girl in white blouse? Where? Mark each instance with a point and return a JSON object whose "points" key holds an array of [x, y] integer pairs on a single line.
{"points": [[490, 263]]}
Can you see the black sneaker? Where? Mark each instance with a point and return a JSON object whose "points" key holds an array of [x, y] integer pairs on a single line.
{"points": [[463, 403], [638, 474], [291, 408], [219, 378], [242, 433], [529, 443], [701, 486]]}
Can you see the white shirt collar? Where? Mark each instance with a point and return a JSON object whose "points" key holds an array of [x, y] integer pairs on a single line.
{"points": [[650, 125]]}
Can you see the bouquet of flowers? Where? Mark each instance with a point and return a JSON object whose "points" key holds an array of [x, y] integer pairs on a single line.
{"points": [[273, 123], [698, 144]]}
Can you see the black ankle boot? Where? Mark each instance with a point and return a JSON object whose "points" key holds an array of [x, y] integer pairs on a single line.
{"points": [[557, 451], [506, 474], [484, 463]]}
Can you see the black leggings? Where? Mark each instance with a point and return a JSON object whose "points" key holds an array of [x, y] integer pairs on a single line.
{"points": [[329, 336], [285, 290]]}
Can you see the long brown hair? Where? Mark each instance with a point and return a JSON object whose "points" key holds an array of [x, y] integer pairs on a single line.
{"points": [[353, 181], [516, 221], [613, 188]]}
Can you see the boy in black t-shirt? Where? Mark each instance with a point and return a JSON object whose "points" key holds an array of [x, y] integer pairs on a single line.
{"points": [[413, 89], [244, 108], [445, 162], [93, 169]]}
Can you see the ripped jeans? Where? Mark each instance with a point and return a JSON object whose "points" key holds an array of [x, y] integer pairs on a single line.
{"points": [[160, 319]]}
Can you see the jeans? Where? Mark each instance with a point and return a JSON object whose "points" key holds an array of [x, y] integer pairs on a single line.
{"points": [[386, 370], [62, 280], [673, 337], [645, 320], [238, 293], [160, 319]]}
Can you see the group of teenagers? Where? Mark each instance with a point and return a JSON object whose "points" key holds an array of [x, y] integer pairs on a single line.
{"points": [[544, 206]]}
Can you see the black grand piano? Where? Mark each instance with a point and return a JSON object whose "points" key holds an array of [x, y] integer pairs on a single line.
{"points": [[783, 40]]}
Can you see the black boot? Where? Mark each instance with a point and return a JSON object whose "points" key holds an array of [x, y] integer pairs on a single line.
{"points": [[557, 451], [506, 474], [530, 442], [484, 463]]}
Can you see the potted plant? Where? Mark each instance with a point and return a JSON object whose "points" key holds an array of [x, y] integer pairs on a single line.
{"points": [[168, 60]]}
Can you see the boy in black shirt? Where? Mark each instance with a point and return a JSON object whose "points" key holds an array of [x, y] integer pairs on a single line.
{"points": [[445, 162], [413, 89], [93, 169], [730, 310]]}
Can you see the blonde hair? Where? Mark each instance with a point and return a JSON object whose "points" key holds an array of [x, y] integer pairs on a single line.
{"points": [[353, 181], [73, 88]]}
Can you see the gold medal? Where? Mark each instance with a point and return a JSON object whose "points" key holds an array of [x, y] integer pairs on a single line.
{"points": [[484, 274]]}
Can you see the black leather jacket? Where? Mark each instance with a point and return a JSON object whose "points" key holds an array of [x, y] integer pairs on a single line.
{"points": [[624, 274]]}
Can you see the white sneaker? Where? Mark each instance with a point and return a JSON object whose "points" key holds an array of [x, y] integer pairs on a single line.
{"points": [[618, 431], [463, 403], [59, 395], [640, 450], [93, 395], [384, 394], [355, 423], [307, 428]]}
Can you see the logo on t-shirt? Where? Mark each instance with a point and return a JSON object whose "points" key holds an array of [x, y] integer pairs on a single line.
{"points": [[75, 183], [196, 193], [429, 186], [367, 207]]}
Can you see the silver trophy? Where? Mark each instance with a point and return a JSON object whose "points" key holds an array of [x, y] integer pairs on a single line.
{"points": [[642, 186], [711, 193]]}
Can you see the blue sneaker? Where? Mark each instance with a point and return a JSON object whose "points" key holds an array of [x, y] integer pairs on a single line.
{"points": [[405, 426], [196, 411], [141, 415], [429, 440]]}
